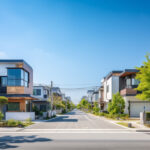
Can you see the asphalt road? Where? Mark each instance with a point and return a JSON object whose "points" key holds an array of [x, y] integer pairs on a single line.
{"points": [[75, 131], [76, 120], [75, 141]]}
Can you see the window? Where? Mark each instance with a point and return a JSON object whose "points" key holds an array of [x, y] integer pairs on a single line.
{"points": [[36, 92], [43, 108], [3, 81], [45, 96], [107, 88], [18, 77], [128, 83], [135, 82], [26, 79], [13, 106]]}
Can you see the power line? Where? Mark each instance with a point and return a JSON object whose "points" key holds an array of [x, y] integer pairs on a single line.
{"points": [[81, 88]]}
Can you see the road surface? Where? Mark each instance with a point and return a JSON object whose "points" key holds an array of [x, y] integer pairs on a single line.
{"points": [[75, 131], [76, 120]]}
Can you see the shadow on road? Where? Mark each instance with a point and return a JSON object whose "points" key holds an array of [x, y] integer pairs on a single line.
{"points": [[63, 119], [8, 142]]}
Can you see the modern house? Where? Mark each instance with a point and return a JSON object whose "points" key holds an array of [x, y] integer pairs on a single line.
{"points": [[95, 96], [16, 83], [89, 94], [110, 86], [101, 97], [128, 83], [42, 93]]}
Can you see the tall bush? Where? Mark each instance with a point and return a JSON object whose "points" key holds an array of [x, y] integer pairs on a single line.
{"points": [[3, 101], [117, 105]]}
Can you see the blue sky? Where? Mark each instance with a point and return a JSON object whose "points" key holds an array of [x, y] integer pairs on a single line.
{"points": [[75, 42]]}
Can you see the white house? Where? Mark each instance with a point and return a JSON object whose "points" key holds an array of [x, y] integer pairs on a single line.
{"points": [[42, 93], [89, 95], [110, 86]]}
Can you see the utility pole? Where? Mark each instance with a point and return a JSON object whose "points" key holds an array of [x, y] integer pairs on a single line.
{"points": [[51, 98]]}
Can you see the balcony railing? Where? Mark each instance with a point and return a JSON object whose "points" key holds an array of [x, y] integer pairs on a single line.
{"points": [[128, 91]]}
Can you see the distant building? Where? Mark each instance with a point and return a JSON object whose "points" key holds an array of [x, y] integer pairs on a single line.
{"points": [[41, 92], [89, 93]]}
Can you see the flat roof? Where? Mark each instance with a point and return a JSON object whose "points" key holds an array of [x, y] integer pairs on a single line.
{"points": [[114, 71], [14, 61], [128, 72]]}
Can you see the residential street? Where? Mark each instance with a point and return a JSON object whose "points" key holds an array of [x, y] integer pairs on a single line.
{"points": [[75, 130], [76, 120]]}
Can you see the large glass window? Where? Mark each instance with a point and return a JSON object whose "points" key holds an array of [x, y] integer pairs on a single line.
{"points": [[18, 77], [13, 106], [135, 81], [37, 92], [3, 81], [128, 83]]}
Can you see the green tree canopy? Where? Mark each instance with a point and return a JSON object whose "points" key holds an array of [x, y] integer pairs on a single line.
{"points": [[144, 77], [84, 104], [3, 101], [117, 104]]}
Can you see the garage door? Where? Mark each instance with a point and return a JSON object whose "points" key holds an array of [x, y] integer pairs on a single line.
{"points": [[137, 107]]}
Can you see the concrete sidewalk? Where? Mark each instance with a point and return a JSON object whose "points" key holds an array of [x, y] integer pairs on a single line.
{"points": [[135, 123]]}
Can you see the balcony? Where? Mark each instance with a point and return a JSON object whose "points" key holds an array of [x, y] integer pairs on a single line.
{"points": [[128, 91]]}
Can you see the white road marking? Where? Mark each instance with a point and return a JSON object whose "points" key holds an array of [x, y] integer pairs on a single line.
{"points": [[74, 132]]}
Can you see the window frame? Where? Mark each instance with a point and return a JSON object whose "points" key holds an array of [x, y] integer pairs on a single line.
{"points": [[22, 80]]}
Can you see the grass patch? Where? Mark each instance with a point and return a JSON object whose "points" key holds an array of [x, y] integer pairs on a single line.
{"points": [[16, 123], [124, 124]]}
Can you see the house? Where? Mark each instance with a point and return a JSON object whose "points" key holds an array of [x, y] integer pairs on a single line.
{"points": [[95, 96], [56, 91], [128, 83], [16, 83], [101, 97], [42, 93], [89, 95], [110, 86]]}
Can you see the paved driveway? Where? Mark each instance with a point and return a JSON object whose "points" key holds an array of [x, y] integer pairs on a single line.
{"points": [[76, 120]]}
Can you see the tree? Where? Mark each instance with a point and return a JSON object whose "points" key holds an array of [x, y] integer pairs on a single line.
{"points": [[57, 101], [84, 104], [1, 116], [144, 77], [3, 101], [117, 105], [96, 108]]}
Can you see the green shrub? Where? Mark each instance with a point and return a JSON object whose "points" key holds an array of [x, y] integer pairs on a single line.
{"points": [[96, 113], [12, 123], [117, 105], [102, 114], [28, 121], [147, 116], [64, 111], [1, 116], [114, 116]]}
